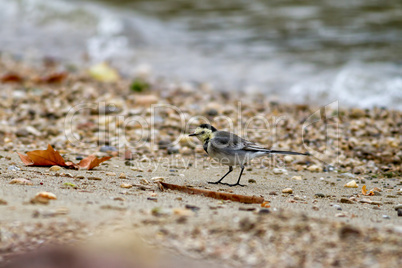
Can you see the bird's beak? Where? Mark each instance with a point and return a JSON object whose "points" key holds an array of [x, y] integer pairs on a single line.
{"points": [[192, 134]]}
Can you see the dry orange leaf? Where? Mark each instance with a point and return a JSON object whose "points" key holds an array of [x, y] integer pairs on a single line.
{"points": [[52, 78], [364, 191], [11, 77], [50, 157], [92, 161], [265, 204]]}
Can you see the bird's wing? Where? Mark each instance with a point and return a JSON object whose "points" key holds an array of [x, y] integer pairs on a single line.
{"points": [[230, 141]]}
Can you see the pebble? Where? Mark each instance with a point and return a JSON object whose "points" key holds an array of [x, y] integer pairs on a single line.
{"points": [[296, 178], [278, 171], [3, 202], [94, 178], [399, 206], [122, 176], [54, 168], [288, 158], [264, 211], [315, 168], [340, 215], [247, 208], [252, 181], [351, 184], [192, 207], [400, 212], [320, 195], [126, 185], [273, 193], [157, 179], [106, 148], [346, 201], [79, 158], [110, 174], [386, 217], [338, 207], [173, 150], [315, 208], [43, 198], [287, 191], [163, 144], [21, 181], [348, 175], [13, 168]]}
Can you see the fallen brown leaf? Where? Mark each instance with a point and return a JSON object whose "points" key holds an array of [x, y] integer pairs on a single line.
{"points": [[92, 161], [51, 157], [217, 195], [364, 191], [52, 78], [43, 158], [11, 77]]}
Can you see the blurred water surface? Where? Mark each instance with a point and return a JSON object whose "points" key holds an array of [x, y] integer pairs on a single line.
{"points": [[297, 51]]}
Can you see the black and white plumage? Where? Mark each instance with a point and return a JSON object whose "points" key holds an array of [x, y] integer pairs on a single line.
{"points": [[230, 149]]}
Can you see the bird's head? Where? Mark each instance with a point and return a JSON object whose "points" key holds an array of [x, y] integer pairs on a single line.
{"points": [[204, 132]]}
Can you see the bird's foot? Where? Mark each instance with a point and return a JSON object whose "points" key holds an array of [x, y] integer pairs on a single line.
{"points": [[234, 184], [216, 182]]}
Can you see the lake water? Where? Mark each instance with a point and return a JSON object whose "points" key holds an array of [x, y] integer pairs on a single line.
{"points": [[306, 51]]}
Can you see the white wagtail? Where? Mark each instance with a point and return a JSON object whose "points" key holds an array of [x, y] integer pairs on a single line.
{"points": [[229, 149]]}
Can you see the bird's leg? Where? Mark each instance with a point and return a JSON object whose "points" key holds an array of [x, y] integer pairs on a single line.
{"points": [[238, 181], [217, 182]]}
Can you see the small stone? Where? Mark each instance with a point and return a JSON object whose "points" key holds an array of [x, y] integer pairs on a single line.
{"points": [[247, 208], [346, 201], [110, 174], [287, 191], [400, 212], [126, 185], [320, 195], [340, 215], [163, 144], [296, 178], [94, 178], [338, 207], [348, 175], [119, 198], [192, 207], [376, 203], [315, 168], [351, 184], [3, 202], [13, 168], [252, 181], [273, 193], [288, 158], [173, 149], [157, 179], [21, 181], [386, 217], [264, 211], [54, 168], [122, 176], [315, 208], [399, 206], [43, 198], [278, 171], [106, 149], [79, 158], [22, 132]]}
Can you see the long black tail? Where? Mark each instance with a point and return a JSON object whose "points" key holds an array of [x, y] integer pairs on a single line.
{"points": [[287, 152]]}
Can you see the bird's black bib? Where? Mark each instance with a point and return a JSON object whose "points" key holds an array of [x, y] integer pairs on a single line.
{"points": [[205, 146]]}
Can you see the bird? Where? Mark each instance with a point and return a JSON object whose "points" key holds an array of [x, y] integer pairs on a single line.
{"points": [[232, 150]]}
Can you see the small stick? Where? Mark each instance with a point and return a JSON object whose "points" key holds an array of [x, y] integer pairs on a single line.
{"points": [[217, 195]]}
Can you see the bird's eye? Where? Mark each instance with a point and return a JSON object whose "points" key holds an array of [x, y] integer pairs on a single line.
{"points": [[202, 132]]}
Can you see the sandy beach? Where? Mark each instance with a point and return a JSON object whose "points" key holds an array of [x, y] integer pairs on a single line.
{"points": [[318, 222]]}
